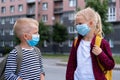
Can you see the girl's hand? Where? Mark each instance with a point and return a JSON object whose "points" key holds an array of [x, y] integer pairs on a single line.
{"points": [[96, 50]]}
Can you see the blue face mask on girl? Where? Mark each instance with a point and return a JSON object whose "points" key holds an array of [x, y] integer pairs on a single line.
{"points": [[34, 41], [82, 29]]}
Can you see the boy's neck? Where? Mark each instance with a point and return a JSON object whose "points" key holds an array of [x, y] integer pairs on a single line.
{"points": [[25, 45]]}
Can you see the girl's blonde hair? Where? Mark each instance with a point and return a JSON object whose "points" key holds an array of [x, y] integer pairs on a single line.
{"points": [[90, 14], [24, 25], [98, 30]]}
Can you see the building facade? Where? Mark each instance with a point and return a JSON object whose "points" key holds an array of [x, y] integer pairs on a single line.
{"points": [[114, 19], [51, 11], [10, 11]]}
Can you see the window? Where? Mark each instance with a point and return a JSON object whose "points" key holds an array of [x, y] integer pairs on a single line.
{"points": [[6, 31], [71, 29], [111, 43], [45, 43], [3, 10], [70, 42], [12, 20], [3, 33], [12, 0], [71, 16], [12, 9], [44, 18], [20, 8], [111, 13], [72, 3], [11, 44], [44, 6], [3, 43], [2, 1], [3, 21], [31, 9], [11, 32]]}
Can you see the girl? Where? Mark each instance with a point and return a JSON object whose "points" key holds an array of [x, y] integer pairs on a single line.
{"points": [[83, 63]]}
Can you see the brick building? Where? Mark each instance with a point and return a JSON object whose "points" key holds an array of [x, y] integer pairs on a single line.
{"points": [[51, 11]]}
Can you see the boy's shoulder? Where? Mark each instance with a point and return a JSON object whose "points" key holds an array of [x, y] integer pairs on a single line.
{"points": [[13, 50]]}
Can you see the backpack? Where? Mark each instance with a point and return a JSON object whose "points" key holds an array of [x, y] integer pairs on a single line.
{"points": [[18, 60], [4, 61], [108, 73]]}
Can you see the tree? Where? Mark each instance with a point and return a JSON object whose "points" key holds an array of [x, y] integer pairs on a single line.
{"points": [[44, 32], [101, 6], [60, 33]]}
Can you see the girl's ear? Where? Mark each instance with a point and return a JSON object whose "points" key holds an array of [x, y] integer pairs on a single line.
{"points": [[92, 24]]}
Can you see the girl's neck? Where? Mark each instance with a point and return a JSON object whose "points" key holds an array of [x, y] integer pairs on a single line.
{"points": [[88, 37]]}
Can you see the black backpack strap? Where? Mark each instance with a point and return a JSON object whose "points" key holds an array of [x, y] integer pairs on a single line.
{"points": [[19, 58]]}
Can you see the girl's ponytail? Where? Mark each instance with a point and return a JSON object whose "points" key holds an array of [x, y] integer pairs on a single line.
{"points": [[98, 30]]}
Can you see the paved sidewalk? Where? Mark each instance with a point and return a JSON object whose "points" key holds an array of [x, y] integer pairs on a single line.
{"points": [[1, 58], [60, 63], [117, 67]]}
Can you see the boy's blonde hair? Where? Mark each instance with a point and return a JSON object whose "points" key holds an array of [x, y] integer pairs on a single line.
{"points": [[24, 25], [90, 14]]}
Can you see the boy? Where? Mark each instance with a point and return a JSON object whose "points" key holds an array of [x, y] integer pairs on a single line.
{"points": [[26, 29]]}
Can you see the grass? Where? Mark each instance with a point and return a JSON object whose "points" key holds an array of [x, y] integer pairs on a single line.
{"points": [[117, 59], [64, 57]]}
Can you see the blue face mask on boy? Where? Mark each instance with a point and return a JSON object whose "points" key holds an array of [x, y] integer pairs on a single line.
{"points": [[34, 41], [82, 29]]}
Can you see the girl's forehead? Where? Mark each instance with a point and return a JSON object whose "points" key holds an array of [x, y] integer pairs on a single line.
{"points": [[80, 19]]}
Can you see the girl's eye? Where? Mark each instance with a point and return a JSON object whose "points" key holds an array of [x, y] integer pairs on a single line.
{"points": [[78, 23]]}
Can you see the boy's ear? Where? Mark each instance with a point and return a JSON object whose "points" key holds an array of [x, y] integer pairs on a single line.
{"points": [[25, 36]]}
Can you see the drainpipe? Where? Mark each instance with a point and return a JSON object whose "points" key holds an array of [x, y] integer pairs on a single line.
{"points": [[36, 9], [76, 5]]}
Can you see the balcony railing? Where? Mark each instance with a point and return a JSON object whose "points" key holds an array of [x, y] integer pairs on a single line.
{"points": [[31, 12], [111, 18], [32, 1], [60, 6], [112, 0], [58, 0], [58, 11]]}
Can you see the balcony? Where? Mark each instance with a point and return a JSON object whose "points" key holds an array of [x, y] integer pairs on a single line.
{"points": [[58, 11], [58, 0], [111, 18], [112, 1], [31, 12], [32, 1]]}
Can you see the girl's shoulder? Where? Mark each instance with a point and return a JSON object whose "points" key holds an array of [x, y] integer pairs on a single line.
{"points": [[104, 42]]}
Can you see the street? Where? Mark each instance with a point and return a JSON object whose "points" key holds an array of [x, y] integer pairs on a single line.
{"points": [[52, 71], [55, 72]]}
